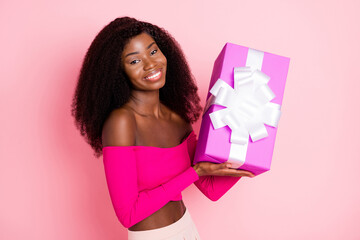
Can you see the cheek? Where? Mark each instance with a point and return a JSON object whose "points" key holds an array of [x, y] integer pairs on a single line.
{"points": [[164, 60], [132, 72]]}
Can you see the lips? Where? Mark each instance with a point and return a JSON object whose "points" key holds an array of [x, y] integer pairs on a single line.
{"points": [[154, 75]]}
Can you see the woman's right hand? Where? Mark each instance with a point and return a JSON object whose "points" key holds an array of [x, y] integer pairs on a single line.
{"points": [[220, 169]]}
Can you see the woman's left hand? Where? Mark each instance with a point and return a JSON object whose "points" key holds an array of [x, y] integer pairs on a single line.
{"points": [[220, 169]]}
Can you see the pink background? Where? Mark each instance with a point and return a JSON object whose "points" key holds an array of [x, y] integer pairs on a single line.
{"points": [[51, 186]]}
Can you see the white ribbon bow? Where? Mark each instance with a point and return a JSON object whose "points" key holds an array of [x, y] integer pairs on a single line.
{"points": [[248, 108]]}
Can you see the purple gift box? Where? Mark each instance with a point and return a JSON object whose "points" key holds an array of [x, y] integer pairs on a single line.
{"points": [[241, 116]]}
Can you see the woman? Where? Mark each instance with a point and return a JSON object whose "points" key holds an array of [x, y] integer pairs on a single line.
{"points": [[135, 101]]}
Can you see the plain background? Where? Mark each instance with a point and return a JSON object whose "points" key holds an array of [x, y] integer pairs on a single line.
{"points": [[51, 185]]}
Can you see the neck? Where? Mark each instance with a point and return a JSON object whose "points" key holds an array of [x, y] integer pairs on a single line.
{"points": [[146, 103]]}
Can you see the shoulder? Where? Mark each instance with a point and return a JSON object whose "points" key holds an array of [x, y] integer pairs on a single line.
{"points": [[119, 128], [181, 122]]}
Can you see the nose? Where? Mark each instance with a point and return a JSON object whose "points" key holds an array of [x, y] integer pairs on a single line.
{"points": [[148, 63]]}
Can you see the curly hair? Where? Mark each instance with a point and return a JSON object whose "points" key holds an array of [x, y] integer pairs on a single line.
{"points": [[103, 85]]}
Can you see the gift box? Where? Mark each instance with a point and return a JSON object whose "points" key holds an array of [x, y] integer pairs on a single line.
{"points": [[242, 110]]}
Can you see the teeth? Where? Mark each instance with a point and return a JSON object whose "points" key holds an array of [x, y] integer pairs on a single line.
{"points": [[154, 76]]}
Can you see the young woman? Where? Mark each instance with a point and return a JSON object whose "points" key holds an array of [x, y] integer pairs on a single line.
{"points": [[134, 102]]}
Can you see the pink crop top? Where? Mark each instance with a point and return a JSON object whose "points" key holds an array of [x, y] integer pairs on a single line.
{"points": [[142, 179]]}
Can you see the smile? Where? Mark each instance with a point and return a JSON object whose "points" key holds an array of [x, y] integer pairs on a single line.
{"points": [[154, 76]]}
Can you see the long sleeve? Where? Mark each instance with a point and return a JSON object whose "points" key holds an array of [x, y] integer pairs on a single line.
{"points": [[130, 204], [213, 187]]}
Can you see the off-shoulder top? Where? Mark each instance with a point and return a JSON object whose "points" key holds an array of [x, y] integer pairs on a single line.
{"points": [[142, 179]]}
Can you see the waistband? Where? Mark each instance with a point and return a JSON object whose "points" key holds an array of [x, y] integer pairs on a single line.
{"points": [[163, 232]]}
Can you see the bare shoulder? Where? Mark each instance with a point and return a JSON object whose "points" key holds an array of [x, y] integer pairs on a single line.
{"points": [[181, 122], [119, 128]]}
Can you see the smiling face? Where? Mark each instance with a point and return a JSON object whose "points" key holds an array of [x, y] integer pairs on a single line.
{"points": [[144, 63]]}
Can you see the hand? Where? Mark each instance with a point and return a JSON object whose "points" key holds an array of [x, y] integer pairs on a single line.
{"points": [[220, 169]]}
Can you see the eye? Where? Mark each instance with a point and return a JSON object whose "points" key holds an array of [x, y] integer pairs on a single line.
{"points": [[134, 62], [153, 52]]}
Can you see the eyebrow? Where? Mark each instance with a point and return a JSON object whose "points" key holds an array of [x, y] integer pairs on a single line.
{"points": [[138, 52]]}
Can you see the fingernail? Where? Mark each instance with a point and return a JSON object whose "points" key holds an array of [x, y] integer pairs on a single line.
{"points": [[228, 165]]}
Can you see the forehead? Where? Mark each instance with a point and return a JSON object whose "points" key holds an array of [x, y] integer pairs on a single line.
{"points": [[138, 43]]}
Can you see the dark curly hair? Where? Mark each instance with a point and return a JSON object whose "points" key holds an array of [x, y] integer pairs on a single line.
{"points": [[103, 85]]}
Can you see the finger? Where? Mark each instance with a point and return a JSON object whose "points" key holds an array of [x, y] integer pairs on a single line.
{"points": [[222, 166], [236, 173], [247, 173]]}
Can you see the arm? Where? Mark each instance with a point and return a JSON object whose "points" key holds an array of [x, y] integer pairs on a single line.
{"points": [[213, 187], [131, 205]]}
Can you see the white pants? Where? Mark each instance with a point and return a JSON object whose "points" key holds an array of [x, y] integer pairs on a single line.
{"points": [[183, 229]]}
